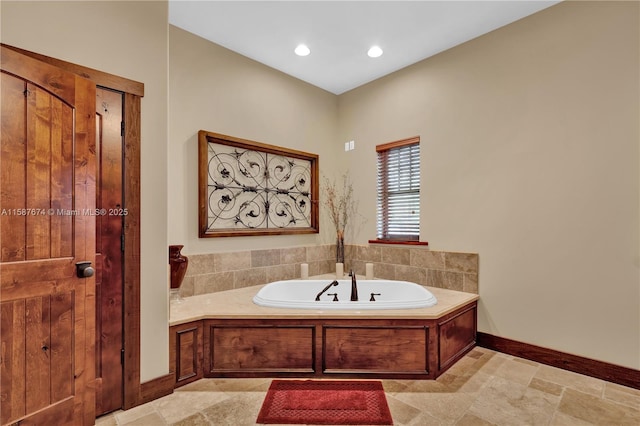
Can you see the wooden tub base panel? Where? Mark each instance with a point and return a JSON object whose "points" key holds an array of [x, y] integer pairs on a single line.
{"points": [[322, 347]]}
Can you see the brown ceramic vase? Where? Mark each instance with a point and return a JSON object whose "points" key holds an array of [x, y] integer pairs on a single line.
{"points": [[179, 264]]}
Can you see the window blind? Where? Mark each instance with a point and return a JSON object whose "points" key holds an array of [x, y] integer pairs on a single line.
{"points": [[399, 191]]}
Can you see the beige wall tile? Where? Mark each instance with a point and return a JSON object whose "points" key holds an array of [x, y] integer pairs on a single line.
{"points": [[293, 255], [470, 283], [445, 279], [384, 270], [395, 255], [370, 253], [411, 273], [200, 264], [398, 263], [211, 283], [425, 258], [249, 277], [316, 253], [260, 258], [358, 267], [186, 289], [232, 261], [282, 272], [461, 262]]}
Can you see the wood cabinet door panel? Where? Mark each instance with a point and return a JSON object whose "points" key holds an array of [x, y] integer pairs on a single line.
{"points": [[394, 349], [261, 348]]}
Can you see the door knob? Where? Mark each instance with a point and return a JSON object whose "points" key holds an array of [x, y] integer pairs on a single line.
{"points": [[84, 269]]}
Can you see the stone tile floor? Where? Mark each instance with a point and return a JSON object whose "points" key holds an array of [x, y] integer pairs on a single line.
{"points": [[483, 388]]}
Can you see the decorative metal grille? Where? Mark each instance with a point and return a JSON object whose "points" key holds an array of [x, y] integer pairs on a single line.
{"points": [[254, 189]]}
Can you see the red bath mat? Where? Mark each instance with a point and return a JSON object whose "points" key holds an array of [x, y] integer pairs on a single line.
{"points": [[325, 402]]}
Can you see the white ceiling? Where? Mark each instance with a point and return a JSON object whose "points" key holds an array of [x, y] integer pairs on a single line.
{"points": [[339, 33]]}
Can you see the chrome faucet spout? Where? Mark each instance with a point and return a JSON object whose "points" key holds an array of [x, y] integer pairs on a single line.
{"points": [[334, 282], [354, 287]]}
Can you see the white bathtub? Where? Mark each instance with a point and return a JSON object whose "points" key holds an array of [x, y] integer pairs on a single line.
{"points": [[301, 294]]}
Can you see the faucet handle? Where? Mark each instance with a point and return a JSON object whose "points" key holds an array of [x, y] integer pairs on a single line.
{"points": [[335, 296]]}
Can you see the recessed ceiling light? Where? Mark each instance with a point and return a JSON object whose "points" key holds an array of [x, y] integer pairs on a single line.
{"points": [[302, 50], [374, 52]]}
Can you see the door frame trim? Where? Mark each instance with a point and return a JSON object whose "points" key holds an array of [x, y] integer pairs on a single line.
{"points": [[133, 393]]}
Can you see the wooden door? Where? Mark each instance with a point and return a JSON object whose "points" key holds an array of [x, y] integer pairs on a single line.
{"points": [[47, 225], [109, 251]]}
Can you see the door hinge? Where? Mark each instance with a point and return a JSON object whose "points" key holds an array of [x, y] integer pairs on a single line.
{"points": [[122, 128], [122, 242], [121, 356]]}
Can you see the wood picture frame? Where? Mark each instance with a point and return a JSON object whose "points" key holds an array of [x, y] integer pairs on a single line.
{"points": [[251, 188]]}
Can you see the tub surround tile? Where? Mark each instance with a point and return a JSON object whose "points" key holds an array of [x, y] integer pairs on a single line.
{"points": [[321, 267], [324, 252], [261, 258], [200, 264], [384, 270], [211, 283], [411, 273], [293, 255], [187, 288], [395, 255], [249, 277], [232, 261], [445, 279], [223, 271], [470, 283], [424, 258], [461, 262], [370, 254], [282, 272]]}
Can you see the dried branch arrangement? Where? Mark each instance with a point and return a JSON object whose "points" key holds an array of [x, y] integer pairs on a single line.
{"points": [[339, 202]]}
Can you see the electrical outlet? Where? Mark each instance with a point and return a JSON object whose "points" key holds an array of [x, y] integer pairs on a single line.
{"points": [[346, 146], [352, 145]]}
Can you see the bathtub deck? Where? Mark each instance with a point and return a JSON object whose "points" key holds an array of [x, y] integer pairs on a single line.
{"points": [[238, 304]]}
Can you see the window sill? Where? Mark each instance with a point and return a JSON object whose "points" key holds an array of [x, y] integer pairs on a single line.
{"points": [[400, 242]]}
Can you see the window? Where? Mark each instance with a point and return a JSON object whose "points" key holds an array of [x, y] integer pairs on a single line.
{"points": [[399, 191]]}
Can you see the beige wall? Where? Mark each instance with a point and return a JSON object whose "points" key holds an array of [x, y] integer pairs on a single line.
{"points": [[530, 145], [128, 39], [214, 89]]}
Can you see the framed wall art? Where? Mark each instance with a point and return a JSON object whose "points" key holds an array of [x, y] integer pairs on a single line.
{"points": [[252, 188]]}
